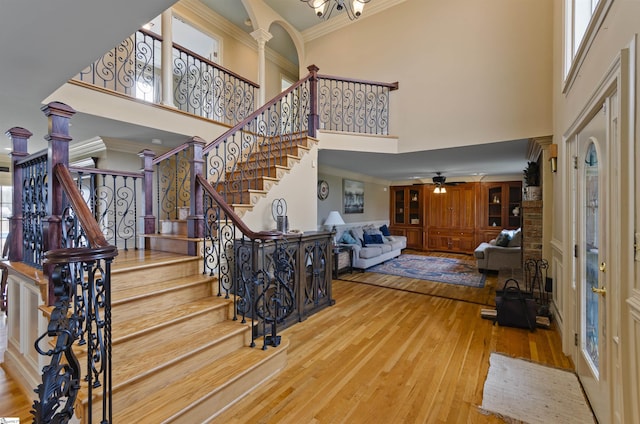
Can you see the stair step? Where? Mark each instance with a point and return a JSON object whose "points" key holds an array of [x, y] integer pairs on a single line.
{"points": [[133, 272], [173, 226], [227, 380], [201, 313], [173, 243], [158, 297]]}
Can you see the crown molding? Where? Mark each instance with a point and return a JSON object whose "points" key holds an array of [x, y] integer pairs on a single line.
{"points": [[87, 148], [194, 10], [343, 20]]}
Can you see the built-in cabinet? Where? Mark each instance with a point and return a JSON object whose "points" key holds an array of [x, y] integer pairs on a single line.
{"points": [[500, 208], [451, 219], [457, 220], [407, 214]]}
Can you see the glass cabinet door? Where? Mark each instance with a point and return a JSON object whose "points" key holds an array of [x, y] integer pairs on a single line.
{"points": [[398, 203], [414, 207], [494, 202]]}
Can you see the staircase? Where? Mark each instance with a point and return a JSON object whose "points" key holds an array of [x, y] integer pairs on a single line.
{"points": [[253, 176], [178, 355]]}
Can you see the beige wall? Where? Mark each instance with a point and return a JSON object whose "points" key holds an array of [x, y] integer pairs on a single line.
{"points": [[484, 64], [376, 197]]}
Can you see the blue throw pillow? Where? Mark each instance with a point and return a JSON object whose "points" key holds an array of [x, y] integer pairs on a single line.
{"points": [[347, 238], [372, 239], [385, 230], [503, 239]]}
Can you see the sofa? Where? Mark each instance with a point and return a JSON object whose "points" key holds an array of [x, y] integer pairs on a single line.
{"points": [[504, 251], [370, 244]]}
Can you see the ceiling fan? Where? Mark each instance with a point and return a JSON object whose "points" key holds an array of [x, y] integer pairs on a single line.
{"points": [[440, 180]]}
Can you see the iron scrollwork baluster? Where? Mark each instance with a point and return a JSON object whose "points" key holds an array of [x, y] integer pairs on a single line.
{"points": [[60, 381]]}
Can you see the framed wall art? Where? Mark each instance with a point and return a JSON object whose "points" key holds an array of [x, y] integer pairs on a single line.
{"points": [[353, 196]]}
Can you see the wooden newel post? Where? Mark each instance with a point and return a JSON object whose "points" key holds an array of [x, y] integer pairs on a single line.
{"points": [[314, 117], [147, 190], [58, 137], [195, 220], [19, 137]]}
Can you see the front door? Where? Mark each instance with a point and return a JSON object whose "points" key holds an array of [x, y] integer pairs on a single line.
{"points": [[592, 265]]}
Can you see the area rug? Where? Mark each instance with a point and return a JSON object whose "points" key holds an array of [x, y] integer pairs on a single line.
{"points": [[522, 390], [441, 270]]}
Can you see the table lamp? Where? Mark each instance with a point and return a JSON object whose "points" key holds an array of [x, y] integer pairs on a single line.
{"points": [[332, 220]]}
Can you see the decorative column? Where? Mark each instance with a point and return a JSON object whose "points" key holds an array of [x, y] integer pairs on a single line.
{"points": [[19, 137], [314, 117], [166, 63], [147, 191], [261, 36], [195, 220]]}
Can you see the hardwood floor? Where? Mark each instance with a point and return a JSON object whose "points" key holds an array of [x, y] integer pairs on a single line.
{"points": [[383, 355]]}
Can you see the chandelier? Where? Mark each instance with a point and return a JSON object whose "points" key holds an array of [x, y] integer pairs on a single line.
{"points": [[323, 8]]}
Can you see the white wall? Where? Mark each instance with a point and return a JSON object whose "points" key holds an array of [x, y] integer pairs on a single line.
{"points": [[469, 72], [617, 34]]}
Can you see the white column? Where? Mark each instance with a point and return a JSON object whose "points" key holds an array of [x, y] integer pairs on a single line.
{"points": [[261, 36], [166, 64]]}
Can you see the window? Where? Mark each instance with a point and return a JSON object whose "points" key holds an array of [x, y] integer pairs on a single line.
{"points": [[6, 204], [581, 23]]}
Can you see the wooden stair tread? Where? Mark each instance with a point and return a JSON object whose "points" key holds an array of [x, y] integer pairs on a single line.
{"points": [[188, 391], [149, 322], [172, 237], [150, 260], [177, 347], [121, 294]]}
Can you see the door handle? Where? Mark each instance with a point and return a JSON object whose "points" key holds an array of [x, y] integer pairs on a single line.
{"points": [[601, 291], [603, 267]]}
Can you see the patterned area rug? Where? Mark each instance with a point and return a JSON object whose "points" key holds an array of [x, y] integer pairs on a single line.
{"points": [[442, 270], [516, 389]]}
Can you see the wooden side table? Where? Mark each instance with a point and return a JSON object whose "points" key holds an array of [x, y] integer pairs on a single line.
{"points": [[342, 261]]}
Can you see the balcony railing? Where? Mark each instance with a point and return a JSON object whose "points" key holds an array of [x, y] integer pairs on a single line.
{"points": [[199, 86]]}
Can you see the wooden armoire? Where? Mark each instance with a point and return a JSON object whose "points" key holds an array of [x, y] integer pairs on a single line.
{"points": [[451, 218]]}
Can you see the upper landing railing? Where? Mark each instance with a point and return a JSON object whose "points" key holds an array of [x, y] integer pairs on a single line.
{"points": [[204, 88], [198, 85]]}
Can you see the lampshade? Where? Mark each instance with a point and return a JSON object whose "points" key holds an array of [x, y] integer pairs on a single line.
{"points": [[333, 219]]}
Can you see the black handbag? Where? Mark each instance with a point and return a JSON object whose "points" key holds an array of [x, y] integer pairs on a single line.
{"points": [[514, 308]]}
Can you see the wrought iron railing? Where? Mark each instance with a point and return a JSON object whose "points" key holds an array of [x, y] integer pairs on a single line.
{"points": [[203, 88], [200, 86], [81, 275], [172, 171], [357, 106], [34, 206], [262, 288], [114, 198]]}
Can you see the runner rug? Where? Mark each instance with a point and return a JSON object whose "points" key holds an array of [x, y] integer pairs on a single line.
{"points": [[442, 270], [523, 391]]}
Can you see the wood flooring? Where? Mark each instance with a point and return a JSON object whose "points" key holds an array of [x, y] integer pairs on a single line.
{"points": [[390, 350]]}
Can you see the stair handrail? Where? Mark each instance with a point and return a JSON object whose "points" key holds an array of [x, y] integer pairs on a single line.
{"points": [[81, 276], [255, 114], [241, 158]]}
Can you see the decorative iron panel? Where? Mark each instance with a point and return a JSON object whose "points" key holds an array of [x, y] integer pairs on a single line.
{"points": [[34, 209], [352, 106]]}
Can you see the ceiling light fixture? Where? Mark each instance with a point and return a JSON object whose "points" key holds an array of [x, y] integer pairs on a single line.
{"points": [[323, 8], [439, 180]]}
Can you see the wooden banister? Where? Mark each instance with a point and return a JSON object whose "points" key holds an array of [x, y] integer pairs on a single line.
{"points": [[94, 233]]}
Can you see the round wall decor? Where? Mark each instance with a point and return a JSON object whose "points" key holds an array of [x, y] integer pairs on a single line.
{"points": [[323, 189]]}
